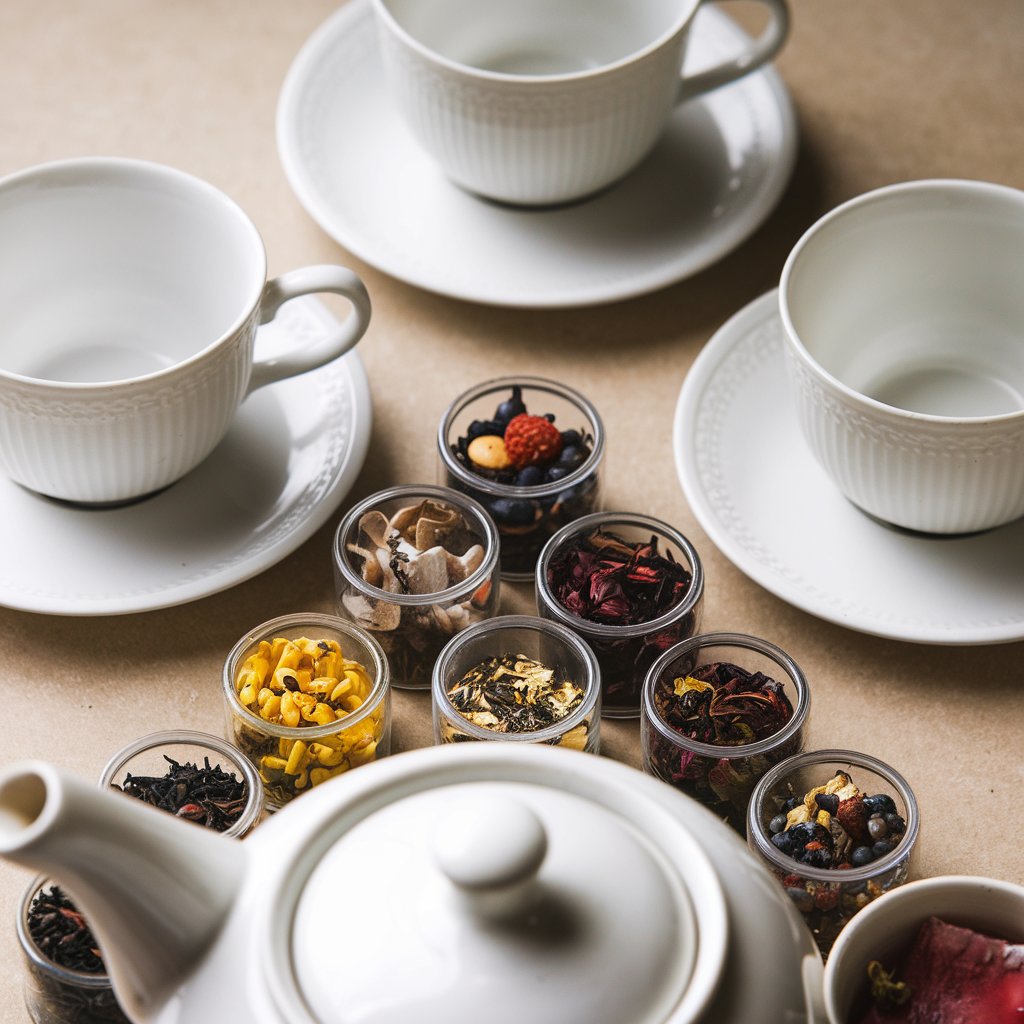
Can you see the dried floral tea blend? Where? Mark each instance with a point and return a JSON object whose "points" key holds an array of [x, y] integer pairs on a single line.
{"points": [[62, 936], [599, 577], [423, 549], [301, 684], [720, 704], [951, 975], [835, 826], [209, 795], [512, 693], [516, 448]]}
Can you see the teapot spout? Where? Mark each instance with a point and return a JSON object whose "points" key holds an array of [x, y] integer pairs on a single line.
{"points": [[154, 890]]}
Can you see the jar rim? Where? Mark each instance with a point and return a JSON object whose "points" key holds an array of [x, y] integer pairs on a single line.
{"points": [[490, 487], [466, 504], [899, 853], [607, 631], [649, 708], [589, 705]]}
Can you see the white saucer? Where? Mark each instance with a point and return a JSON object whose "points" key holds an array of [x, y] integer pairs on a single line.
{"points": [[766, 503], [716, 175], [289, 458]]}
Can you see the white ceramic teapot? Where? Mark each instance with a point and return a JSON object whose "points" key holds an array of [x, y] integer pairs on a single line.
{"points": [[487, 881]]}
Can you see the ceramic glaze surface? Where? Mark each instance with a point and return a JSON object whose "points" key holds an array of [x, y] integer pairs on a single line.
{"points": [[131, 295], [544, 103], [904, 321]]}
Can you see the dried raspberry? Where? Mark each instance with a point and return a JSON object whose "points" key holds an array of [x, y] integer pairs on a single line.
{"points": [[826, 898], [853, 816], [532, 441]]}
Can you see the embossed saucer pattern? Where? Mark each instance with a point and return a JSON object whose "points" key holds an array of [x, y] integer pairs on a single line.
{"points": [[717, 173], [764, 501], [290, 457]]}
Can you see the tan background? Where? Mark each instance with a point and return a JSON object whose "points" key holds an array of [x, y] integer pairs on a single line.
{"points": [[884, 91]]}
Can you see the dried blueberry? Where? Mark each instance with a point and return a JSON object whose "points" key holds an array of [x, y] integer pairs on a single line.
{"points": [[861, 855], [512, 512], [897, 826], [827, 802], [877, 827], [483, 428], [556, 473], [514, 406], [571, 439], [571, 456], [816, 857], [792, 802], [777, 824], [809, 832], [531, 476], [882, 847], [880, 803], [785, 842]]}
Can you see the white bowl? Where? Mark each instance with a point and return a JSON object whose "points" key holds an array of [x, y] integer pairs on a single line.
{"points": [[889, 925]]}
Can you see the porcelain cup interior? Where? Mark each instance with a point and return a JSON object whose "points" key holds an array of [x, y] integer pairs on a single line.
{"points": [[547, 101], [904, 323], [887, 927], [131, 294]]}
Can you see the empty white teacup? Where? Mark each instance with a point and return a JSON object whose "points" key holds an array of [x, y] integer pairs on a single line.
{"points": [[130, 295], [545, 101], [903, 314]]}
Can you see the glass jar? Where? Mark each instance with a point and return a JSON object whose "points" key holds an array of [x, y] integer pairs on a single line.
{"points": [[829, 897], [526, 514], [512, 637], [147, 757], [293, 758], [720, 776], [59, 995], [625, 652], [412, 625]]}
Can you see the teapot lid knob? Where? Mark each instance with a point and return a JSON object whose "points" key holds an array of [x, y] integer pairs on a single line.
{"points": [[489, 847]]}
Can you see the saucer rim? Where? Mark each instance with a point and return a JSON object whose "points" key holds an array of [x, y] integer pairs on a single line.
{"points": [[253, 560], [686, 430], [325, 213]]}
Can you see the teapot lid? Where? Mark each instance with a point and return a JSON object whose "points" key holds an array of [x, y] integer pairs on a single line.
{"points": [[547, 888]]}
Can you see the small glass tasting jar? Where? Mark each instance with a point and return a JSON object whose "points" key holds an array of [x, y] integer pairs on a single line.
{"points": [[59, 995], [625, 652], [546, 642], [412, 628], [721, 777], [292, 759], [526, 515], [828, 897], [145, 757]]}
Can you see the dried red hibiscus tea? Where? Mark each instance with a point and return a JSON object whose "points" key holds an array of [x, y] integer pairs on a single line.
{"points": [[950, 975], [720, 704], [602, 578]]}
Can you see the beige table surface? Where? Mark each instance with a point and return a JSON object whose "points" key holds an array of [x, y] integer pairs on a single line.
{"points": [[884, 92]]}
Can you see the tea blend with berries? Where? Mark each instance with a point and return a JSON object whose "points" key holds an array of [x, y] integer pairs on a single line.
{"points": [[209, 795], [720, 704], [522, 449], [62, 936], [951, 975]]}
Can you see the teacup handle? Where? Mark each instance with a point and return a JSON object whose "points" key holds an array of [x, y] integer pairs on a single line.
{"points": [[757, 53], [306, 281]]}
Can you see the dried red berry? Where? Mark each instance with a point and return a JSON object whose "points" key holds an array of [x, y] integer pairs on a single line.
{"points": [[853, 816], [826, 898], [532, 441]]}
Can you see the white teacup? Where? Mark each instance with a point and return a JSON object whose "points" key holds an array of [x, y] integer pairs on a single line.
{"points": [[887, 927], [544, 101], [903, 313], [130, 295]]}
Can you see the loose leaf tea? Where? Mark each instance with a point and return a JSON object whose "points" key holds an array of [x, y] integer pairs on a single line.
{"points": [[724, 705], [602, 578], [62, 936], [208, 795], [515, 694], [719, 704]]}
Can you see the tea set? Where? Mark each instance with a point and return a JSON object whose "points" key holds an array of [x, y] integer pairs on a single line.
{"points": [[508, 138]]}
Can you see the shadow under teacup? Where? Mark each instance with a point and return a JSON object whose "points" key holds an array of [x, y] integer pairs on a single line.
{"points": [[903, 319], [540, 102], [131, 296]]}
